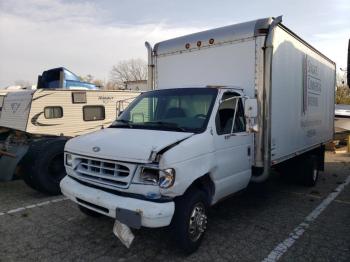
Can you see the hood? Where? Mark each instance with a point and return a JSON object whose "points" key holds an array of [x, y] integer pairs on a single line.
{"points": [[124, 144]]}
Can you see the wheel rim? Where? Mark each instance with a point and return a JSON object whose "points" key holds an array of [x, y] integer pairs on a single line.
{"points": [[198, 222], [56, 168]]}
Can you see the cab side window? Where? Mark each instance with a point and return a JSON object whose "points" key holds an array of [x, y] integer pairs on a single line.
{"points": [[230, 116]]}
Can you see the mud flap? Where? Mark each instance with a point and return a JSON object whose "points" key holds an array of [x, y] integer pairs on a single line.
{"points": [[8, 164], [123, 232]]}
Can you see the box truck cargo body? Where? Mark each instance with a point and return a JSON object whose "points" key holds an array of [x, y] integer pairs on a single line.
{"points": [[229, 104], [300, 84]]}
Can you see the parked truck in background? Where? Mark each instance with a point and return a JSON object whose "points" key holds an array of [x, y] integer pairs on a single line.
{"points": [[36, 124], [229, 105]]}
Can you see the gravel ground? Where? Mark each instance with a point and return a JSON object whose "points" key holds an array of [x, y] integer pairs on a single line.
{"points": [[246, 227]]}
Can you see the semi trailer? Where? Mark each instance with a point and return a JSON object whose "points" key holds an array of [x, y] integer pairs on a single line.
{"points": [[229, 105], [36, 124]]}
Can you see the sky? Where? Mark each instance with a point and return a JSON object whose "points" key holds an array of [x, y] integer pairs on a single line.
{"points": [[89, 37]]}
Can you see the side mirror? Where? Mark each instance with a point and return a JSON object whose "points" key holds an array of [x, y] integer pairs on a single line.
{"points": [[120, 112], [251, 108]]}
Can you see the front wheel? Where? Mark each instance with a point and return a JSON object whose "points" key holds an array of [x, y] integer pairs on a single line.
{"points": [[190, 220]]}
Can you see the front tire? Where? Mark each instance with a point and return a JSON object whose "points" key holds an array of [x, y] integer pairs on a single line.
{"points": [[190, 220]]}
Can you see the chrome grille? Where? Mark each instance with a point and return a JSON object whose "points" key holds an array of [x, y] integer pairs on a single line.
{"points": [[105, 172]]}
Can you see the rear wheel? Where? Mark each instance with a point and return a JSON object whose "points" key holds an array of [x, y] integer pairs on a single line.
{"points": [[43, 167], [190, 220], [310, 171]]}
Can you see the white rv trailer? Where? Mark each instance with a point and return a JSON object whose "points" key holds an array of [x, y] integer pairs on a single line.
{"points": [[230, 104], [3, 93], [36, 124]]}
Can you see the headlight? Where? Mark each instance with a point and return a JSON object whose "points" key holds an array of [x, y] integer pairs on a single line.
{"points": [[164, 178], [149, 175], [69, 160]]}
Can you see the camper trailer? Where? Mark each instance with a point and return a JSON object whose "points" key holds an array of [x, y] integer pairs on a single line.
{"points": [[229, 105], [35, 125]]}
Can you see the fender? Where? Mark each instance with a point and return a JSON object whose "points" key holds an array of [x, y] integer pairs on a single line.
{"points": [[191, 159]]}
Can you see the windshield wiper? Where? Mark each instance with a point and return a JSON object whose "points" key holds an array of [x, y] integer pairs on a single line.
{"points": [[168, 125]]}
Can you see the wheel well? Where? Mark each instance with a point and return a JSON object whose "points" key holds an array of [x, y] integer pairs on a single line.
{"points": [[206, 184], [318, 153]]}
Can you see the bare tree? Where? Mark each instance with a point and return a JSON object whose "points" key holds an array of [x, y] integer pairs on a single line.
{"points": [[98, 82], [110, 86], [88, 78], [342, 95], [128, 70], [91, 79]]}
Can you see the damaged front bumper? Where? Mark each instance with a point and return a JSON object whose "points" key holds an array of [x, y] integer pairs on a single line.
{"points": [[130, 211]]}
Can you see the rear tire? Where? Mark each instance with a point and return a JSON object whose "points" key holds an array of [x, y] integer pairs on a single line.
{"points": [[310, 171], [190, 219], [43, 166], [89, 212]]}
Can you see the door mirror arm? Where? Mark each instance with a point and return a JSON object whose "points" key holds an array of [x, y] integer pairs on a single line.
{"points": [[251, 113]]}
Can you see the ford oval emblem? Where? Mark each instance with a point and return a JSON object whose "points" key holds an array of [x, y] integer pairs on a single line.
{"points": [[96, 149]]}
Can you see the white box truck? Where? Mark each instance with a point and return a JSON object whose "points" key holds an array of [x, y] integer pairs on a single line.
{"points": [[229, 104]]}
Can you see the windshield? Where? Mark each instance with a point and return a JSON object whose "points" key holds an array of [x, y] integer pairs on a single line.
{"points": [[183, 110]]}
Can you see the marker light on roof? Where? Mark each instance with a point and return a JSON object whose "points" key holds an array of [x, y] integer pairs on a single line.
{"points": [[187, 46], [199, 43], [211, 41]]}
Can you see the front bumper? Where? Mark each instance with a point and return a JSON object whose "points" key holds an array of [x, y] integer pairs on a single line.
{"points": [[152, 214]]}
